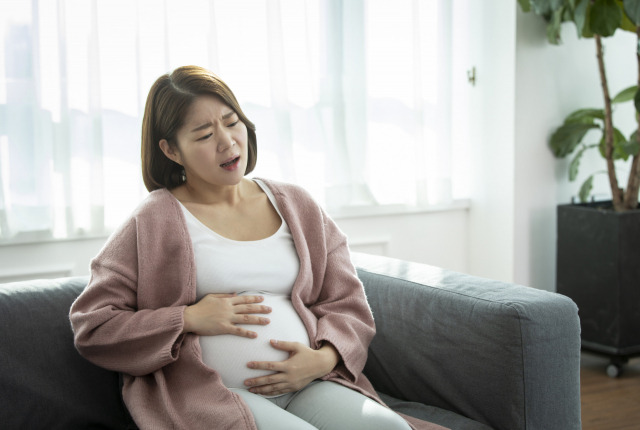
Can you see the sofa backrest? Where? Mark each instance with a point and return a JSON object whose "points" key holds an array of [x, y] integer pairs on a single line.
{"points": [[44, 382]]}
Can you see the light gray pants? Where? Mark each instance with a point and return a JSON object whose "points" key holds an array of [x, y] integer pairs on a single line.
{"points": [[321, 405]]}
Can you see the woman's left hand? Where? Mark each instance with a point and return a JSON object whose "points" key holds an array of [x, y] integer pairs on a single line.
{"points": [[303, 366]]}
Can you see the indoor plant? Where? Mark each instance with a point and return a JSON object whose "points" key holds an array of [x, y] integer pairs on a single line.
{"points": [[598, 253], [596, 19]]}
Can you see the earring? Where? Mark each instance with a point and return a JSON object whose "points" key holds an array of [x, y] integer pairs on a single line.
{"points": [[183, 176]]}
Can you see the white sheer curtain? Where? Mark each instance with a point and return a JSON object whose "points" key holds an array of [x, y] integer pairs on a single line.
{"points": [[350, 99]]}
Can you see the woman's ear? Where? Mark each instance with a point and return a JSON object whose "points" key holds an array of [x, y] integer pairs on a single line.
{"points": [[170, 151]]}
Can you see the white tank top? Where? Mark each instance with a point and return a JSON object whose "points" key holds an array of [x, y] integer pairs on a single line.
{"points": [[266, 267]]}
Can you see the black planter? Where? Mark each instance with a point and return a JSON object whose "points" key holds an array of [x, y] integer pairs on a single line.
{"points": [[598, 266]]}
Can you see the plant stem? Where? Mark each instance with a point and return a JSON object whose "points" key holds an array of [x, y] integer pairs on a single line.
{"points": [[616, 192], [633, 185]]}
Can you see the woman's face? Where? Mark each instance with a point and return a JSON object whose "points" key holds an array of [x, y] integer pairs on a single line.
{"points": [[212, 144]]}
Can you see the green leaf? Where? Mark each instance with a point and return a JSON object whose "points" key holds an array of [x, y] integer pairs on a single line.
{"points": [[605, 17], [575, 163], [565, 139], [625, 95], [619, 143], [580, 17], [602, 147], [554, 26], [567, 15], [525, 5], [585, 189], [636, 100], [585, 116], [632, 9], [632, 147], [627, 24], [541, 7]]}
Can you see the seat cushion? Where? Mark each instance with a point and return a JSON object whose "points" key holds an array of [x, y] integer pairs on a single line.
{"points": [[433, 414]]}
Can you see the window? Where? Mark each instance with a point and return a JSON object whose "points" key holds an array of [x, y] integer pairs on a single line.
{"points": [[351, 100]]}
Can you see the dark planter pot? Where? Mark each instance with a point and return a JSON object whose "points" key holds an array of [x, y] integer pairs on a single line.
{"points": [[598, 266]]}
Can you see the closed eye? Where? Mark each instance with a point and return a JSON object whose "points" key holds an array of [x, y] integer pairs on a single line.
{"points": [[233, 124], [206, 137]]}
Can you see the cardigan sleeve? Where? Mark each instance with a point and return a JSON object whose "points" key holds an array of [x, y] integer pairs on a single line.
{"points": [[344, 316], [109, 329]]}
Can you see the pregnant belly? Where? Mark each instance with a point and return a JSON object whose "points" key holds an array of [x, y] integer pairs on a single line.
{"points": [[229, 355]]}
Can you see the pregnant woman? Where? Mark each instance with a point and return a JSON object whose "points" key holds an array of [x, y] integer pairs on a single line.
{"points": [[226, 302]]}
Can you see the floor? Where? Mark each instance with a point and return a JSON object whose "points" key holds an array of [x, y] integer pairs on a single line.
{"points": [[609, 403]]}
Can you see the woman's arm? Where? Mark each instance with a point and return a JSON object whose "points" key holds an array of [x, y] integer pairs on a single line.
{"points": [[111, 332], [344, 317], [130, 317]]}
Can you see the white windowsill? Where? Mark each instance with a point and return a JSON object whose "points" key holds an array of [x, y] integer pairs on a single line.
{"points": [[391, 210], [46, 238]]}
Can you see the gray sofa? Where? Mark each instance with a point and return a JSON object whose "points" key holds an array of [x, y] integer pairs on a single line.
{"points": [[461, 351]]}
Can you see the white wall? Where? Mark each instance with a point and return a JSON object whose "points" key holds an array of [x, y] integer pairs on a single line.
{"points": [[491, 42], [537, 111], [551, 82]]}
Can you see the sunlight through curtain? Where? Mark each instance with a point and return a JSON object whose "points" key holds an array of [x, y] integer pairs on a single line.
{"points": [[351, 100]]}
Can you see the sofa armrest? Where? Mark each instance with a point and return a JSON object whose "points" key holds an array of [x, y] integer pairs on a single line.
{"points": [[44, 382], [505, 355]]}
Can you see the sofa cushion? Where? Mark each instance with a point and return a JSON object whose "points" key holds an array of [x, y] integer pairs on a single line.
{"points": [[43, 382], [432, 414]]}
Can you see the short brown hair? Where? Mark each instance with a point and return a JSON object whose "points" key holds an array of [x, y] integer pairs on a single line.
{"points": [[167, 104]]}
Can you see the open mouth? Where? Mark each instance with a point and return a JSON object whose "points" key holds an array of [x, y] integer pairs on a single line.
{"points": [[230, 162]]}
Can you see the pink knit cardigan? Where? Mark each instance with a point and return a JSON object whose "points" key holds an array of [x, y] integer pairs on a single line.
{"points": [[129, 318]]}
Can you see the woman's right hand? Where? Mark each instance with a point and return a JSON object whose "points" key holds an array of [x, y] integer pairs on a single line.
{"points": [[218, 314]]}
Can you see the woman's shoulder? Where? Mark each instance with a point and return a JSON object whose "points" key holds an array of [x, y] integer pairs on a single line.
{"points": [[158, 209], [150, 221], [160, 199]]}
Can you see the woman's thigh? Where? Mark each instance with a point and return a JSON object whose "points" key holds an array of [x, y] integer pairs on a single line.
{"points": [[269, 416], [328, 405]]}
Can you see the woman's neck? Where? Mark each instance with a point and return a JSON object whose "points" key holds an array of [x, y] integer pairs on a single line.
{"points": [[228, 195]]}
